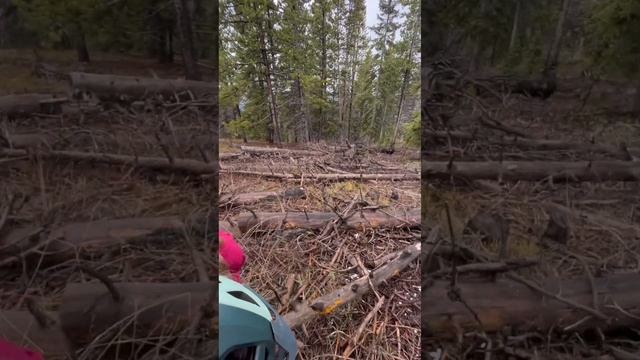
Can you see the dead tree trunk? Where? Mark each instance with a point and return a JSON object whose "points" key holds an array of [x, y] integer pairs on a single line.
{"points": [[151, 163], [28, 104], [288, 152], [538, 144], [334, 177], [529, 310], [140, 310], [66, 242], [110, 87], [555, 171], [364, 219], [185, 28]]}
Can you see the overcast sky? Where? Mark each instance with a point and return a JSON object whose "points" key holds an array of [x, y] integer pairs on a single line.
{"points": [[372, 13]]}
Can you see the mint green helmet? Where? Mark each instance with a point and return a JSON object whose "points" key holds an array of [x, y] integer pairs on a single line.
{"points": [[250, 329]]}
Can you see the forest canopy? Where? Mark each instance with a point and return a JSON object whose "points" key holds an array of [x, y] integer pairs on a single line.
{"points": [[299, 70]]}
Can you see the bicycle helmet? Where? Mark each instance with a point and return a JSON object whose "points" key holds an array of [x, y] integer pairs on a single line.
{"points": [[250, 329]]}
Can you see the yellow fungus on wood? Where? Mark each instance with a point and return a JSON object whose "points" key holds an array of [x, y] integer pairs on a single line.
{"points": [[330, 308]]}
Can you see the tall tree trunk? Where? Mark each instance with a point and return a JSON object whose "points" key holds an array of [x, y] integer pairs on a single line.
{"points": [[81, 46], [271, 96], [554, 51], [403, 88], [187, 40], [302, 108], [514, 28], [169, 35], [323, 62], [352, 90], [216, 44]]}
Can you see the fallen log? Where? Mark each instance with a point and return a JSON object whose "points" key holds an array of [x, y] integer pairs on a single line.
{"points": [[28, 104], [142, 310], [556, 171], [359, 220], [152, 163], [109, 87], [228, 156], [22, 328], [247, 198], [525, 309], [67, 241], [333, 177], [538, 144], [26, 141], [290, 152], [244, 199], [327, 304]]}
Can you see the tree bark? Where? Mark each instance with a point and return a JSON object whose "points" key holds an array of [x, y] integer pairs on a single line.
{"points": [[359, 220], [185, 28], [555, 171], [506, 303], [108, 87]]}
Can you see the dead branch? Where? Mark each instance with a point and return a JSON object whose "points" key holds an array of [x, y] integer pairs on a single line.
{"points": [[327, 304], [335, 177]]}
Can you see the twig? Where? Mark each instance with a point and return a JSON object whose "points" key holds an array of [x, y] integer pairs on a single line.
{"points": [[356, 338]]}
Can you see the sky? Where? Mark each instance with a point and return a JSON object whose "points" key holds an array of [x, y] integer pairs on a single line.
{"points": [[372, 13]]}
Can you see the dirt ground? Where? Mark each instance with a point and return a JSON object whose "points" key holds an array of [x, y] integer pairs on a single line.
{"points": [[319, 264], [603, 240], [45, 194]]}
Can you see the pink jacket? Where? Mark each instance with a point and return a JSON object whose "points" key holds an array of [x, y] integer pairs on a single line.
{"points": [[232, 254], [10, 351]]}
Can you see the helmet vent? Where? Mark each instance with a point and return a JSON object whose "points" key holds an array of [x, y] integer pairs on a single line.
{"points": [[242, 296]]}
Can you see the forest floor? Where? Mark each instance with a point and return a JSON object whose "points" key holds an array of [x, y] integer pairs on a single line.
{"points": [[591, 234], [296, 260], [129, 223]]}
